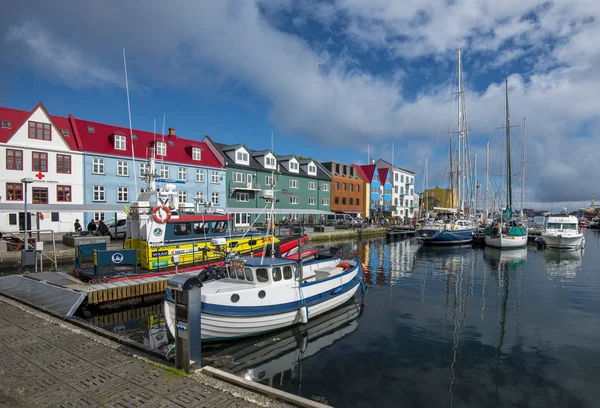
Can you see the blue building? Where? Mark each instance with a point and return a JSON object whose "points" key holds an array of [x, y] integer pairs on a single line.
{"points": [[110, 176]]}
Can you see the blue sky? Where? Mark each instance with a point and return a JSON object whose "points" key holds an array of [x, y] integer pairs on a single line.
{"points": [[236, 70]]}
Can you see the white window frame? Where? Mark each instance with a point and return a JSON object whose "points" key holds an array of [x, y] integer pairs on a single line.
{"points": [[122, 195], [242, 157], [182, 173], [239, 177], [164, 171], [122, 168], [324, 201], [182, 196], [324, 187], [143, 169], [312, 201], [199, 176], [215, 198], [294, 200], [242, 219], [242, 197], [161, 148], [99, 216], [120, 142], [269, 181], [98, 166], [270, 161], [294, 166], [99, 194], [196, 153], [294, 183], [312, 185], [312, 169], [201, 197], [214, 177]]}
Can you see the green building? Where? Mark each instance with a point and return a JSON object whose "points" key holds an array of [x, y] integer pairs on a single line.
{"points": [[302, 187]]}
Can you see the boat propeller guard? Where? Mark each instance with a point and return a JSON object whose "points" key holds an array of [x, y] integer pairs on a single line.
{"points": [[160, 210]]}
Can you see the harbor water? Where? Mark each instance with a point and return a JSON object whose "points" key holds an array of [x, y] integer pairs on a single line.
{"points": [[464, 327]]}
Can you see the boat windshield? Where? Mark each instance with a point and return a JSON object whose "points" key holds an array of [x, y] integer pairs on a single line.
{"points": [[562, 226]]}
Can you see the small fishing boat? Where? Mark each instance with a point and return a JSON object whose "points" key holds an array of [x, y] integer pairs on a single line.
{"points": [[563, 232], [261, 294]]}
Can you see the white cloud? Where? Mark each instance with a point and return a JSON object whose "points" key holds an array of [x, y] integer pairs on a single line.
{"points": [[233, 45], [57, 60]]}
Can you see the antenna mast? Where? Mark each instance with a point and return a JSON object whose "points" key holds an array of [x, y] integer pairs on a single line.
{"points": [[523, 168], [130, 126]]}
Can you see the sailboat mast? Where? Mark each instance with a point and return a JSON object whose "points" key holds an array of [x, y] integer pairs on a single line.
{"points": [[523, 168], [451, 176], [487, 168], [508, 164], [475, 178], [458, 164], [426, 199]]}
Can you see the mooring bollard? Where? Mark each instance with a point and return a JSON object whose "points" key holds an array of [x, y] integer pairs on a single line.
{"points": [[186, 319]]}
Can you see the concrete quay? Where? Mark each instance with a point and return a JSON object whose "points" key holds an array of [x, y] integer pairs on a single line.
{"points": [[48, 362]]}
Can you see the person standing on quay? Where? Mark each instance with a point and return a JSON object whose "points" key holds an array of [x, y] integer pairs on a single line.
{"points": [[77, 226]]}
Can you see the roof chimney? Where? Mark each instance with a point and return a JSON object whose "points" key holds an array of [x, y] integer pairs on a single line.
{"points": [[172, 132]]}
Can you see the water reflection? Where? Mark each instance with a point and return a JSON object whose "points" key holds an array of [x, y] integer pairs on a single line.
{"points": [[387, 263], [505, 257], [276, 359], [562, 264]]}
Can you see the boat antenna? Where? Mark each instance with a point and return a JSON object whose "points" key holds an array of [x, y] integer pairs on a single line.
{"points": [[129, 113]]}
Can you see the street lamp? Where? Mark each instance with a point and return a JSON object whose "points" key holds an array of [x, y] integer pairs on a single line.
{"points": [[25, 182]]}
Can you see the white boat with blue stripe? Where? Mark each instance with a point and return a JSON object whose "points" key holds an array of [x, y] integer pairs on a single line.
{"points": [[265, 294]]}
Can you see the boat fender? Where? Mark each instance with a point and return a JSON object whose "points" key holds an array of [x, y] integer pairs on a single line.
{"points": [[303, 314], [164, 208], [337, 291], [453, 226], [362, 287], [344, 265]]}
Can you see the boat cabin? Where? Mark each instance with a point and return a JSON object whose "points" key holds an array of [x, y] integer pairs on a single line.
{"points": [[563, 223]]}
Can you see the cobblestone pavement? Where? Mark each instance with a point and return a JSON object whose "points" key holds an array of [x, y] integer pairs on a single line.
{"points": [[46, 363]]}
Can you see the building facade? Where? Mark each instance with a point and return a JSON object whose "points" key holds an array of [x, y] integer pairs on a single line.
{"points": [[347, 189], [403, 201], [44, 151], [113, 176], [302, 187], [439, 197]]}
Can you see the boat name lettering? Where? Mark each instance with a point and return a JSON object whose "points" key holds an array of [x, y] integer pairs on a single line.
{"points": [[178, 251], [160, 253]]}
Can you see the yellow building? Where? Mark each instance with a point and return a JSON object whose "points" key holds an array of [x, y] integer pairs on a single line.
{"points": [[439, 197]]}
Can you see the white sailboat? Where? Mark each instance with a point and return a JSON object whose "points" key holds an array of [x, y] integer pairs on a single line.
{"points": [[508, 232], [451, 227]]}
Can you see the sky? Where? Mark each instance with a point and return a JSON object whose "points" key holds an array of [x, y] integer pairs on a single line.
{"points": [[337, 80]]}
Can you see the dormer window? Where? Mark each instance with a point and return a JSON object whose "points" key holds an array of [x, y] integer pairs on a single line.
{"points": [[120, 142], [6, 124], [91, 129], [196, 153], [242, 157], [270, 161], [65, 132], [161, 148], [294, 166], [312, 169]]}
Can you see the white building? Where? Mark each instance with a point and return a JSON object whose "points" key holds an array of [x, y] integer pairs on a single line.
{"points": [[404, 199], [43, 148]]}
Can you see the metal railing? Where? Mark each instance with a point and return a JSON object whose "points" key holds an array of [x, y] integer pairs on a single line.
{"points": [[26, 245]]}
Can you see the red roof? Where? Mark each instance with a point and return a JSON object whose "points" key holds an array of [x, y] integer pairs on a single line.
{"points": [[383, 173], [18, 117], [178, 150], [366, 171], [101, 140]]}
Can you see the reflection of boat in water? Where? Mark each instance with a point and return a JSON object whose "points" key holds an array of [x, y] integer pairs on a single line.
{"points": [[276, 359], [562, 263], [505, 256]]}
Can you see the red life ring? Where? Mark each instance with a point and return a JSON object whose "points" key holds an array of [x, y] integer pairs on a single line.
{"points": [[163, 208]]}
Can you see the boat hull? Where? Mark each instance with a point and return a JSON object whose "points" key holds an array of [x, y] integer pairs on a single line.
{"points": [[506, 241], [319, 297], [566, 242], [445, 237]]}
